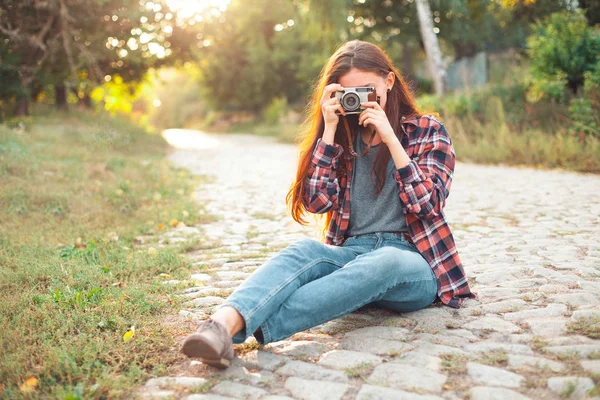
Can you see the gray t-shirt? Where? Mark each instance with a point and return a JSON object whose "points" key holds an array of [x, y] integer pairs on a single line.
{"points": [[370, 213]]}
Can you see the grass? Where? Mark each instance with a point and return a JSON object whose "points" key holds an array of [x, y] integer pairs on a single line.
{"points": [[76, 192]]}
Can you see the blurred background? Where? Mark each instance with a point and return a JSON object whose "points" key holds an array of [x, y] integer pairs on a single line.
{"points": [[515, 80]]}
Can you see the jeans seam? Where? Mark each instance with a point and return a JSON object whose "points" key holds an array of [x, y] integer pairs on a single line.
{"points": [[339, 314]]}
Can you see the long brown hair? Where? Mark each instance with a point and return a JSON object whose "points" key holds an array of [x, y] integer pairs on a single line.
{"points": [[400, 103]]}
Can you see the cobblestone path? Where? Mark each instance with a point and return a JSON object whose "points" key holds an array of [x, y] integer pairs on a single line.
{"points": [[529, 240]]}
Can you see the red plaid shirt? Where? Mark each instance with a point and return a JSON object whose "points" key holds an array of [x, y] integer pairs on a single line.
{"points": [[423, 186]]}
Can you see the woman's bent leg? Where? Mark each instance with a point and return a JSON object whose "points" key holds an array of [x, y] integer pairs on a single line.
{"points": [[261, 293], [368, 278]]}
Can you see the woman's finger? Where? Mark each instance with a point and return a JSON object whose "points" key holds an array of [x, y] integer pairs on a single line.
{"points": [[333, 87], [372, 104], [332, 100]]}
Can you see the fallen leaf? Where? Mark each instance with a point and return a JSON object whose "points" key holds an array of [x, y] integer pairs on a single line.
{"points": [[29, 385], [173, 222]]}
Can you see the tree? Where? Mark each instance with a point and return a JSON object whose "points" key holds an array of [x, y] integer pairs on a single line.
{"points": [[432, 47]]}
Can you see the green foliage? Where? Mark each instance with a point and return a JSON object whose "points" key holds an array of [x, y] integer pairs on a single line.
{"points": [[276, 109], [562, 48], [585, 111]]}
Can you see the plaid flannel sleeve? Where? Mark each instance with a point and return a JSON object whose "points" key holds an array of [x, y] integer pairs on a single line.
{"points": [[321, 189], [424, 183]]}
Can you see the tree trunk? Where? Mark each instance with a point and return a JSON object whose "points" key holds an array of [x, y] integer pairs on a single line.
{"points": [[22, 106], [60, 96], [432, 46], [407, 65], [85, 101]]}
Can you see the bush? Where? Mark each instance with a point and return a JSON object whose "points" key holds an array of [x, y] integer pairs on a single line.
{"points": [[562, 48], [275, 110]]}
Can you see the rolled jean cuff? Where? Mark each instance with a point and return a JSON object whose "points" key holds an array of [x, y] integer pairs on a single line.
{"points": [[243, 334]]}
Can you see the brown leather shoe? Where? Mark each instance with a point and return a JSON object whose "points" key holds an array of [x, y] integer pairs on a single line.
{"points": [[210, 343]]}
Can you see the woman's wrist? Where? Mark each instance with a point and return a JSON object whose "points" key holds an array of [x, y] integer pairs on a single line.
{"points": [[328, 134], [401, 159]]}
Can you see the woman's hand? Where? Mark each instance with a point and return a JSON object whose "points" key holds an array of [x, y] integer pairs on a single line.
{"points": [[330, 104], [375, 116]]}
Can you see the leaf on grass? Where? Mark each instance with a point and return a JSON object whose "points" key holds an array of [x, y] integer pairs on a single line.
{"points": [[29, 385], [165, 276], [173, 222]]}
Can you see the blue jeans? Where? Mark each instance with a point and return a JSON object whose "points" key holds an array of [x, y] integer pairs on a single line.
{"points": [[309, 283]]}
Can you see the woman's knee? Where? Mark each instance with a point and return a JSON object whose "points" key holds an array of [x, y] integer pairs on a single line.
{"points": [[405, 261]]}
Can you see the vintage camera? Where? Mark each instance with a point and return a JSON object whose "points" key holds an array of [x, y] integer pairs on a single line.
{"points": [[351, 97]]}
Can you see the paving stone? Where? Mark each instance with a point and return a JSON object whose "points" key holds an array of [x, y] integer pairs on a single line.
{"points": [[382, 332], [166, 381], [495, 393], [238, 372], [547, 326], [497, 293], [576, 299], [277, 397], [592, 366], [307, 370], [492, 323], [263, 360], [232, 275], [433, 349], [207, 396], [517, 361], [492, 376], [418, 359], [487, 345], [492, 277], [372, 392], [307, 389], [154, 393], [593, 314], [201, 277], [374, 345], [583, 350], [552, 288], [443, 338], [298, 348], [341, 359], [504, 306], [574, 386], [431, 318], [238, 390], [401, 376], [552, 310], [524, 283], [205, 301], [462, 333]]}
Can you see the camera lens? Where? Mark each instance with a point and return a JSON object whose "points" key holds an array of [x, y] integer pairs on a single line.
{"points": [[350, 101]]}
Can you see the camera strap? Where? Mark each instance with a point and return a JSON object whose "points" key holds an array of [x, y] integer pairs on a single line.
{"points": [[350, 141]]}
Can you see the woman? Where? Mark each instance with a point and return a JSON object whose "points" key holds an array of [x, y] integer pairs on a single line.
{"points": [[392, 248]]}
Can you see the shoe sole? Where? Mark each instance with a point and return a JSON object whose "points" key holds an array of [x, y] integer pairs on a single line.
{"points": [[198, 348]]}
